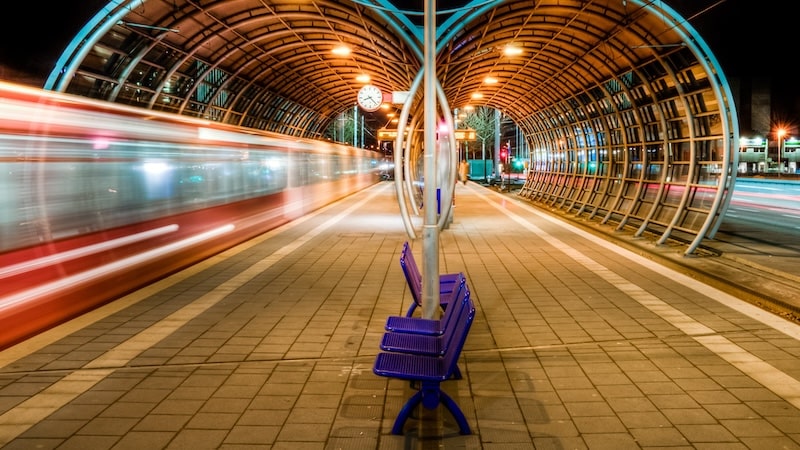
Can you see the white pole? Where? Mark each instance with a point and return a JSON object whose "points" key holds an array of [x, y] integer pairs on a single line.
{"points": [[430, 228]]}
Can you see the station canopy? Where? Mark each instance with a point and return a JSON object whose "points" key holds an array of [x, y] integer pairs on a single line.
{"points": [[599, 88]]}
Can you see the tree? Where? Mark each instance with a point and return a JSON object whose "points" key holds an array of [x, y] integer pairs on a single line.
{"points": [[354, 127], [341, 128], [483, 120]]}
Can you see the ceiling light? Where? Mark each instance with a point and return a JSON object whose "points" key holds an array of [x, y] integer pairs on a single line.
{"points": [[477, 95], [512, 50], [490, 80], [363, 78], [341, 50]]}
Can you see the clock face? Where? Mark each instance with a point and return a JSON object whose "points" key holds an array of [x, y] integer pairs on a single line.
{"points": [[370, 97]]}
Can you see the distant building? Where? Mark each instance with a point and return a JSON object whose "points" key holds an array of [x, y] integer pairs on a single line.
{"points": [[753, 104], [763, 108]]}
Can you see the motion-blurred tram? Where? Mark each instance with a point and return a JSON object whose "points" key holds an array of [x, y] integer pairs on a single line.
{"points": [[100, 199]]}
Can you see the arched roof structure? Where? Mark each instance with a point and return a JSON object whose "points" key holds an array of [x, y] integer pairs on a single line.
{"points": [[628, 115]]}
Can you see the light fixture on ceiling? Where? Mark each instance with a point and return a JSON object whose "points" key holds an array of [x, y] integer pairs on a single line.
{"points": [[363, 78], [490, 80], [512, 50], [341, 50]]}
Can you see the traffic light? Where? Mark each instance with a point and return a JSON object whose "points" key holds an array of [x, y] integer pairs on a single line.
{"points": [[503, 154]]}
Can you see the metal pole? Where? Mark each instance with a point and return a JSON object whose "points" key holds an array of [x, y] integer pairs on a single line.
{"points": [[355, 126], [780, 167], [430, 229], [496, 159], [483, 157]]}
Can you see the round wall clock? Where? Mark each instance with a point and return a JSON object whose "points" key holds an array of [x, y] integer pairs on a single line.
{"points": [[370, 97]]}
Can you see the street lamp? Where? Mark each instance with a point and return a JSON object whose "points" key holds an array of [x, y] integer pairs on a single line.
{"points": [[781, 134]]}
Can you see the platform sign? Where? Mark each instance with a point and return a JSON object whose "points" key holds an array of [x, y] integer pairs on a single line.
{"points": [[462, 134], [465, 134], [399, 97], [387, 134]]}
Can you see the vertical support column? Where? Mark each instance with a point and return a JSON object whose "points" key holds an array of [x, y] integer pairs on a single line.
{"points": [[497, 135], [430, 229], [355, 126]]}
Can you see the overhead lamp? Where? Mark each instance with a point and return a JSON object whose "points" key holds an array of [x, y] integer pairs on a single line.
{"points": [[477, 95], [512, 50], [363, 78], [490, 80], [341, 50]]}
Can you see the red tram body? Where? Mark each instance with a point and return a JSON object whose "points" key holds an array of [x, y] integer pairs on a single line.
{"points": [[101, 199]]}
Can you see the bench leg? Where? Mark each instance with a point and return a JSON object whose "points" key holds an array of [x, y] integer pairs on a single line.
{"points": [[430, 395], [412, 403], [463, 425]]}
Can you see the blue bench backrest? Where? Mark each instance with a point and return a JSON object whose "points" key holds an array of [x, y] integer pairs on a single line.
{"points": [[412, 273], [457, 305], [456, 302], [459, 332]]}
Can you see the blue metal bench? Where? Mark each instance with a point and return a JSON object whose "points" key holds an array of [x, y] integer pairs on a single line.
{"points": [[419, 325], [429, 372], [414, 279], [426, 344]]}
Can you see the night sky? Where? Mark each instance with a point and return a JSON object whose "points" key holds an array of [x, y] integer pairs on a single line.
{"points": [[43, 30], [748, 41]]}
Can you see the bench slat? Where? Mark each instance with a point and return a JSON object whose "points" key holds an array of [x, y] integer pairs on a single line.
{"points": [[406, 366], [425, 344], [419, 325]]}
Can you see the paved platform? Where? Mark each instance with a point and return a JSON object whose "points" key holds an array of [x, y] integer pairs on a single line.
{"points": [[578, 342]]}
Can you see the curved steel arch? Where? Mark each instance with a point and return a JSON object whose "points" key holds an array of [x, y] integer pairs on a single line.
{"points": [[209, 49], [628, 117], [658, 124]]}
